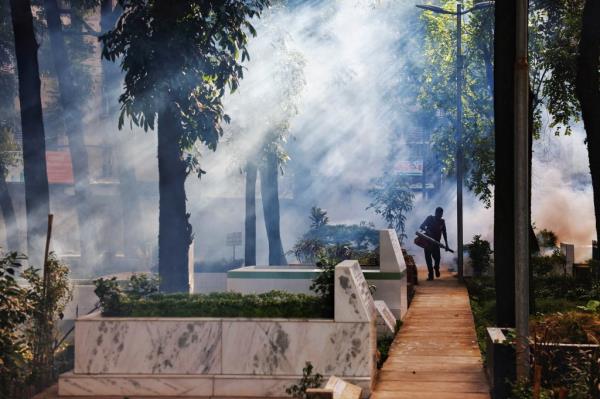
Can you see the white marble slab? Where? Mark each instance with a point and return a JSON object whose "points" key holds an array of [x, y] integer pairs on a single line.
{"points": [[385, 317], [147, 346], [353, 300], [283, 348], [390, 252], [70, 384]]}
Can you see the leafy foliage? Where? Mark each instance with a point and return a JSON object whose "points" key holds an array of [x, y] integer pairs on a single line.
{"points": [[555, 28], [27, 323], [139, 299], [438, 93], [15, 310], [543, 265], [339, 241], [318, 217], [142, 285], [308, 380], [392, 199], [9, 150], [480, 254], [182, 55], [324, 283], [361, 236], [49, 293], [547, 238]]}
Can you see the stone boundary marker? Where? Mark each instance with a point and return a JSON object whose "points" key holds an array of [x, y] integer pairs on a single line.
{"points": [[336, 388], [386, 322]]}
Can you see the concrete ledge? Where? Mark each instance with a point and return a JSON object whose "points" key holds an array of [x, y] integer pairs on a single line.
{"points": [[185, 386]]}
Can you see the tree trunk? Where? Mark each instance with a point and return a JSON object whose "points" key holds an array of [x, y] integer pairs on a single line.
{"points": [[250, 220], [8, 215], [504, 227], [588, 92], [37, 202], [269, 188], [533, 243], [73, 117], [128, 190], [174, 230]]}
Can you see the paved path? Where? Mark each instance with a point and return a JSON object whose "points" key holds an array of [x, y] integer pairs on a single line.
{"points": [[435, 354]]}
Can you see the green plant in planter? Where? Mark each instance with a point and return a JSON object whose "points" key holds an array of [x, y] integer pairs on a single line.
{"points": [[480, 253], [139, 299], [308, 380], [15, 309], [142, 285]]}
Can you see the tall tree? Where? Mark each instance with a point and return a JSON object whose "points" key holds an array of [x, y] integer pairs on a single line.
{"points": [[179, 58], [73, 115], [250, 216], [264, 142], [269, 188], [587, 88], [37, 201]]}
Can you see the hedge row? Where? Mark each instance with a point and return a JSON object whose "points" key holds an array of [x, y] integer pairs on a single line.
{"points": [[274, 304]]}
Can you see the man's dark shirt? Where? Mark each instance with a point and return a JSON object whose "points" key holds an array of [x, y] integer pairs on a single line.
{"points": [[434, 227]]}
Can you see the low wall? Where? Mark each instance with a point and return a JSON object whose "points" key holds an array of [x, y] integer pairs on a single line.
{"points": [[225, 357], [389, 278], [205, 283]]}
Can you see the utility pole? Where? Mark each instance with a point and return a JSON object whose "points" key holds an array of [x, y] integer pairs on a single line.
{"points": [[459, 111], [521, 168]]}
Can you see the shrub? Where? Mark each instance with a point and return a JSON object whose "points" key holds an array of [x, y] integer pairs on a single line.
{"points": [[544, 265], [27, 324], [480, 253], [15, 310], [308, 380], [116, 301], [547, 238]]}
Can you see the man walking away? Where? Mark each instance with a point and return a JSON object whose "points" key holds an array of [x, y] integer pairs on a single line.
{"points": [[434, 227]]}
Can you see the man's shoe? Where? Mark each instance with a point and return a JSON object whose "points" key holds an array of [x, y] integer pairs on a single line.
{"points": [[430, 278], [437, 272]]}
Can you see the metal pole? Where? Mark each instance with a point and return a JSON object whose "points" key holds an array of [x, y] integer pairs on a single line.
{"points": [[521, 168], [459, 149]]}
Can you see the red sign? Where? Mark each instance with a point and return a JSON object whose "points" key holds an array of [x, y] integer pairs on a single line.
{"points": [[60, 167]]}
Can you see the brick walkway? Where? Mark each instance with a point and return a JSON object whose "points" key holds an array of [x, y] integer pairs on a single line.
{"points": [[435, 354]]}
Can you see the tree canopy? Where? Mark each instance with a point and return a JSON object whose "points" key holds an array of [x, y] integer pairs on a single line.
{"points": [[186, 53]]}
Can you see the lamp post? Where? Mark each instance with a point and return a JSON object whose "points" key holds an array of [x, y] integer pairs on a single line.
{"points": [[458, 132]]}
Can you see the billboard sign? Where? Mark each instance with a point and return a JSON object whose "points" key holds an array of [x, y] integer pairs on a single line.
{"points": [[410, 168], [234, 239]]}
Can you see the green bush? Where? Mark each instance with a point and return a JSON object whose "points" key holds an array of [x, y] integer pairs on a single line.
{"points": [[544, 265], [117, 302], [480, 253], [28, 316]]}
